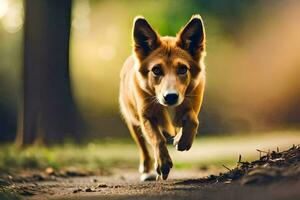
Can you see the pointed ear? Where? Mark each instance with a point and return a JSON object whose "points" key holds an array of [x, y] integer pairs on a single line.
{"points": [[192, 37], [145, 38]]}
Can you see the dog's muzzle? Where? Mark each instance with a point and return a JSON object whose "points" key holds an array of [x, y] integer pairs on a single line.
{"points": [[171, 98]]}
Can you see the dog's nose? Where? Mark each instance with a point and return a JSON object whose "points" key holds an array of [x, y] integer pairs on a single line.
{"points": [[171, 98]]}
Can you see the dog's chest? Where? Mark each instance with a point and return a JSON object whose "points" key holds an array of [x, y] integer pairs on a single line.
{"points": [[174, 125], [172, 114]]}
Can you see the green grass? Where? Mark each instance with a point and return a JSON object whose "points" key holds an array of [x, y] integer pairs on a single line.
{"points": [[92, 156], [112, 154]]}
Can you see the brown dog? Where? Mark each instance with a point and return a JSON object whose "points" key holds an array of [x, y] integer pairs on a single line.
{"points": [[161, 91]]}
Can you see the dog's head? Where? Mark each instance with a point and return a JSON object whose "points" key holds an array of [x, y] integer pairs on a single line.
{"points": [[169, 67]]}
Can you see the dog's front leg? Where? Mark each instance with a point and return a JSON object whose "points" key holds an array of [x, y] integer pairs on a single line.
{"points": [[163, 162], [189, 130]]}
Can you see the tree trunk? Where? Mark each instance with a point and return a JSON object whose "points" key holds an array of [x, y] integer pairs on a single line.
{"points": [[48, 111]]}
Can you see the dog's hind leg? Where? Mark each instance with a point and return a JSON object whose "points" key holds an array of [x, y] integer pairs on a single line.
{"points": [[146, 164]]}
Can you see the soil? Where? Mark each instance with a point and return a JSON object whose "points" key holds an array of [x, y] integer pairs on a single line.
{"points": [[127, 186], [275, 175]]}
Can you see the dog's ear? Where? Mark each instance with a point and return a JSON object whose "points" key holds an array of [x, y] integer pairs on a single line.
{"points": [[145, 38], [192, 36]]}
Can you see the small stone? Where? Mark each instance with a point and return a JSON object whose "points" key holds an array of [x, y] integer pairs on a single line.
{"points": [[77, 190], [49, 170], [94, 180], [38, 177], [89, 190], [102, 185], [26, 193]]}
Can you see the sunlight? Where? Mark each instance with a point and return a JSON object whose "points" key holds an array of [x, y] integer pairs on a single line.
{"points": [[79, 117], [13, 20], [3, 7]]}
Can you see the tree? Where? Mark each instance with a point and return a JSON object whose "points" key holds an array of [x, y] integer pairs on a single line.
{"points": [[47, 108]]}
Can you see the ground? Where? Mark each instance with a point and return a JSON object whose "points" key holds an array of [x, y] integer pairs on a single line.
{"points": [[44, 173], [178, 187]]}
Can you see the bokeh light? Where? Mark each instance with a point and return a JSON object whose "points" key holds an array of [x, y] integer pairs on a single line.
{"points": [[3, 7], [13, 17]]}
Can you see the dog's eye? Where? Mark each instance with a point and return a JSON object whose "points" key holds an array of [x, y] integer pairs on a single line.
{"points": [[182, 70], [157, 70]]}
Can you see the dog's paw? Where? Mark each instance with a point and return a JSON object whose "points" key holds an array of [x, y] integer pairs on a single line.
{"points": [[181, 146], [185, 142], [163, 166], [148, 177]]}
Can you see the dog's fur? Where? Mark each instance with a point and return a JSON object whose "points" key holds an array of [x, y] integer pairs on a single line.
{"points": [[160, 65]]}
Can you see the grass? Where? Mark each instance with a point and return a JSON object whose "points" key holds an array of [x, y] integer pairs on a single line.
{"points": [[112, 154], [92, 156]]}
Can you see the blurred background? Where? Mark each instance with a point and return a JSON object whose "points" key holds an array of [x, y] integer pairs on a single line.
{"points": [[253, 62]]}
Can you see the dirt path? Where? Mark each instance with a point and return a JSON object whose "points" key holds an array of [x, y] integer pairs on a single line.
{"points": [[185, 184], [281, 169]]}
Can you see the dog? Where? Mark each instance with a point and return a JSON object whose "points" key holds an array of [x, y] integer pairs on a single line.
{"points": [[161, 91]]}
